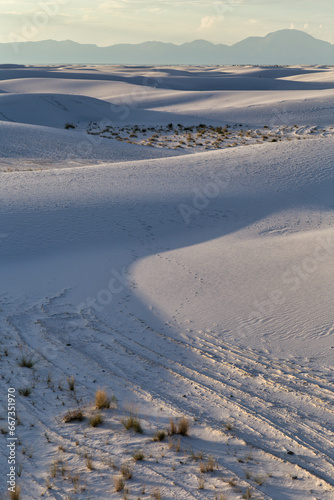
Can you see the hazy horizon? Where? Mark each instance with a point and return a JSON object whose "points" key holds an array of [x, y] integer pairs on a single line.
{"points": [[169, 42], [170, 21]]}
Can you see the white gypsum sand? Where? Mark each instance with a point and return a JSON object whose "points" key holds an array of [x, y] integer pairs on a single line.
{"points": [[192, 282]]}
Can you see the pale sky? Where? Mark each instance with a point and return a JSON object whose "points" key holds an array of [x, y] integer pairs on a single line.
{"points": [[106, 22]]}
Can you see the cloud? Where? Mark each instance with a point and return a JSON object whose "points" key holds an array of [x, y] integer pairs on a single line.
{"points": [[206, 22], [209, 21]]}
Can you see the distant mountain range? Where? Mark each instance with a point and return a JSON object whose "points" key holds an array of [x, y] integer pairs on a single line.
{"points": [[282, 47]]}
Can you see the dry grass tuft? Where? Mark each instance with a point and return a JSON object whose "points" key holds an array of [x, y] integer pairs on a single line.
{"points": [[96, 420], [183, 426], [138, 455], [247, 494], [73, 416], [126, 471], [172, 428], [71, 383], [25, 391], [208, 465], [119, 483], [102, 399], [27, 361], [201, 483], [159, 436], [132, 422], [15, 495], [156, 495]]}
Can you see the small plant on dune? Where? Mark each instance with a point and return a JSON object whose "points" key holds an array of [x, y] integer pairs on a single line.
{"points": [[54, 468], [174, 445], [126, 471], [197, 455], [201, 483], [228, 426], [138, 455], [183, 426], [26, 361], [119, 483], [208, 465], [71, 382], [16, 494], [96, 420], [102, 399], [89, 463], [159, 436], [259, 480], [172, 427], [49, 379], [25, 391], [73, 415], [48, 484], [156, 495], [232, 481], [132, 422], [247, 493], [68, 126]]}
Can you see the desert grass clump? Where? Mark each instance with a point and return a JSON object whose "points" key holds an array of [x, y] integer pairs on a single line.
{"points": [[71, 383], [183, 426], [26, 361], [228, 426], [247, 494], [96, 420], [159, 436], [197, 455], [48, 484], [54, 468], [89, 463], [201, 483], [172, 427], [102, 399], [174, 445], [156, 494], [126, 471], [208, 465], [119, 483], [25, 391], [259, 480], [138, 455], [73, 416], [132, 422], [16, 494]]}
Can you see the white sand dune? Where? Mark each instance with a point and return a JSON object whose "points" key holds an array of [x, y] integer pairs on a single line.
{"points": [[196, 285]]}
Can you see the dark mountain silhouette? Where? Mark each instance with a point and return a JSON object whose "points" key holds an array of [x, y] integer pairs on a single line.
{"points": [[282, 47]]}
